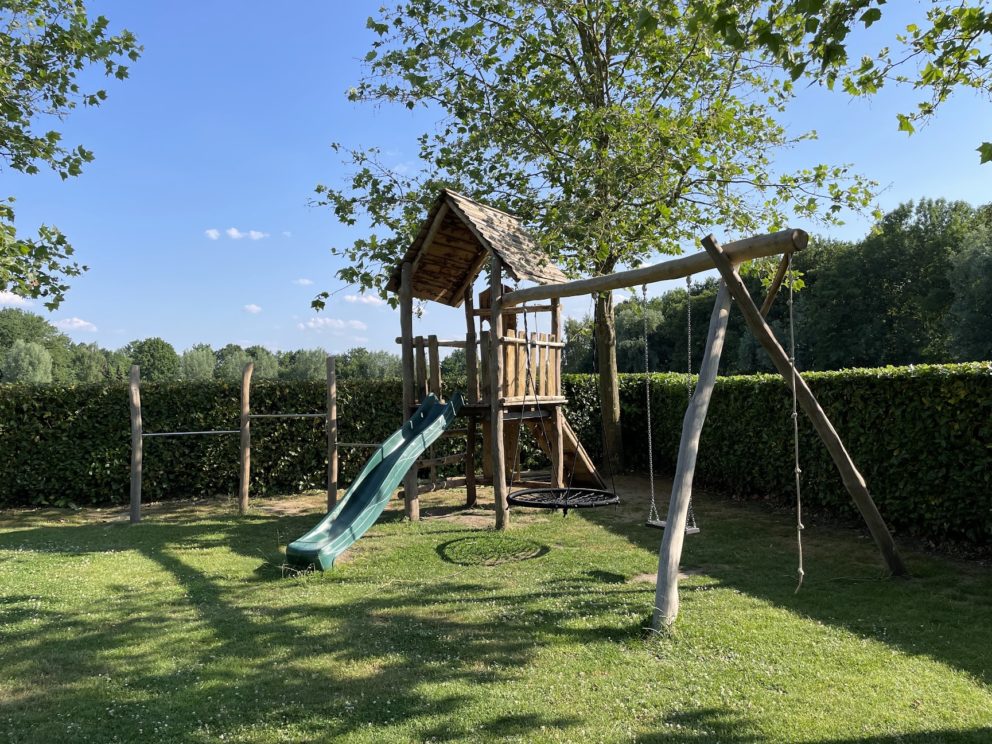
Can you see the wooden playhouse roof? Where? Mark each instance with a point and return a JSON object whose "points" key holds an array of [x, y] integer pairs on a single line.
{"points": [[455, 242]]}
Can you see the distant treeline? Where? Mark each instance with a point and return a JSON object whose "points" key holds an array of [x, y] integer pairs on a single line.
{"points": [[918, 289], [32, 350]]}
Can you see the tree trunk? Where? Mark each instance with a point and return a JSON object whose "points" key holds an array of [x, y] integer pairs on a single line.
{"points": [[609, 384]]}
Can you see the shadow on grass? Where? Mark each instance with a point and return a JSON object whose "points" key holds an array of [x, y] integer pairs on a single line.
{"points": [[943, 612], [196, 657]]}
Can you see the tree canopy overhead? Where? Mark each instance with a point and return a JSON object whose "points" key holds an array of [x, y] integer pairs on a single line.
{"points": [[46, 45], [946, 47]]}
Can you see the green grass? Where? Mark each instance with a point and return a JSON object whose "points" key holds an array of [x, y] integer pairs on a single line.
{"points": [[184, 629]]}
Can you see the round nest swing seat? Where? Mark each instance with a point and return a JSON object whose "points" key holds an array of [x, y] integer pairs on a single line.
{"points": [[562, 498]]}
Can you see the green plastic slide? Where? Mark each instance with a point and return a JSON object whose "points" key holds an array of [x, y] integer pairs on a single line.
{"points": [[370, 492]]}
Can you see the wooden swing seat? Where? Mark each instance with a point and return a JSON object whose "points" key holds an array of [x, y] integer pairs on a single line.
{"points": [[660, 525]]}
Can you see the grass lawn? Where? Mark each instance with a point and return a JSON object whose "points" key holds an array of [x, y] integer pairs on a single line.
{"points": [[184, 629]]}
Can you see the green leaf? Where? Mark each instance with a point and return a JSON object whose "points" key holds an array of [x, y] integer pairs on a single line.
{"points": [[985, 151]]}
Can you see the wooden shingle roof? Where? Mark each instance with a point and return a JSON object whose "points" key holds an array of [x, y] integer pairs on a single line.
{"points": [[457, 239]]}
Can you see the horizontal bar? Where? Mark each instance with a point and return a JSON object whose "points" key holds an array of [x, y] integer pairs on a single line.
{"points": [[486, 312], [447, 344], [760, 246], [287, 415], [189, 433], [533, 342]]}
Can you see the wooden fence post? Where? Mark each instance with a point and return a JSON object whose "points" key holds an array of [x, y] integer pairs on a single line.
{"points": [[332, 435], [134, 390], [245, 438]]}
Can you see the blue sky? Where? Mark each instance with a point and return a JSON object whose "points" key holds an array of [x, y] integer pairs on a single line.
{"points": [[194, 217]]}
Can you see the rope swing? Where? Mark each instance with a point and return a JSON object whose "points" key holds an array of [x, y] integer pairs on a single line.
{"points": [[795, 423]]}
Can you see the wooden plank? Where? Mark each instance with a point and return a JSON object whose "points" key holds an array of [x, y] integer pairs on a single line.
{"points": [[520, 384], [332, 434], [434, 360], [666, 602], [431, 232], [759, 246], [852, 478], [411, 502], [245, 438], [495, 385], [137, 448], [509, 364], [542, 364]]}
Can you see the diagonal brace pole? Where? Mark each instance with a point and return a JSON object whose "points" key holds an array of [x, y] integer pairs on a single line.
{"points": [[853, 481]]}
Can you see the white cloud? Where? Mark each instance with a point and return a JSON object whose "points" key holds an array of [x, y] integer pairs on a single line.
{"points": [[287, 234], [257, 234], [75, 324], [364, 299], [213, 233], [9, 299], [334, 325], [252, 308], [234, 233], [303, 282]]}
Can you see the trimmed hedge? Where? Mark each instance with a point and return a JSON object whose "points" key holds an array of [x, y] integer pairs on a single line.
{"points": [[921, 436]]}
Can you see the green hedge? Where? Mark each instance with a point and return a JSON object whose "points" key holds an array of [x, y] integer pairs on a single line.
{"points": [[921, 436]]}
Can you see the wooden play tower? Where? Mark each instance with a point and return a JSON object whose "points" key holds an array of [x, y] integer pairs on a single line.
{"points": [[458, 239]]}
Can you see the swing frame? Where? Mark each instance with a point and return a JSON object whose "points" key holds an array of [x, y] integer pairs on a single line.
{"points": [[725, 258]]}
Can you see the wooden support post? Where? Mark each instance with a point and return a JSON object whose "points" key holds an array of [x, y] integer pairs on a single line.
{"points": [[495, 386], [557, 447], [332, 435], [471, 350], [245, 438], [471, 495], [434, 366], [853, 481], [422, 385], [666, 598], [137, 449], [411, 497]]}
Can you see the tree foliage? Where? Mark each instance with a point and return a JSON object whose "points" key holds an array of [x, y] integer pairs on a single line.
{"points": [[947, 47], [197, 363], [26, 362], [46, 46], [359, 362], [156, 357]]}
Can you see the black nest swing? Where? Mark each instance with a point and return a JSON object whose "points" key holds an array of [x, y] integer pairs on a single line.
{"points": [[573, 497]]}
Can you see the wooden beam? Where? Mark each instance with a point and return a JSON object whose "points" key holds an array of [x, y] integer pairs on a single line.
{"points": [[137, 449], [411, 500], [666, 599], [332, 435], [245, 438], [852, 478], [495, 386], [776, 284], [471, 493], [422, 384], [431, 232], [434, 365], [760, 246]]}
